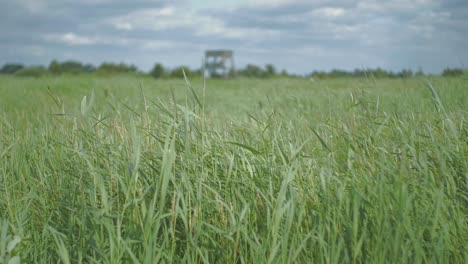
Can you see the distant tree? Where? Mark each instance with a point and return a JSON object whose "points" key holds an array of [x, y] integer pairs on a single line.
{"points": [[199, 72], [448, 72], [270, 70], [420, 72], [178, 72], [335, 73], [55, 67], [359, 73], [379, 73], [252, 71], [70, 67], [405, 73], [158, 71], [319, 75], [89, 68], [11, 68], [73, 67], [34, 71], [111, 69]]}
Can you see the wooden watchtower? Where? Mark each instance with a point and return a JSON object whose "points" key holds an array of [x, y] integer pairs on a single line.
{"points": [[219, 63]]}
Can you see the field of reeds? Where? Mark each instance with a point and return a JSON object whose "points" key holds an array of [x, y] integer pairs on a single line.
{"points": [[139, 170]]}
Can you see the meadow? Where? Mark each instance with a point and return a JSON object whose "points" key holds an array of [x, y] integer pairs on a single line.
{"points": [[140, 170]]}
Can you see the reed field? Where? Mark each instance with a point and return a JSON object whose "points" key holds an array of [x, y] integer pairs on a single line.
{"points": [[283, 170]]}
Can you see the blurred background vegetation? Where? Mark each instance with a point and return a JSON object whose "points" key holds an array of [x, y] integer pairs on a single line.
{"points": [[250, 71]]}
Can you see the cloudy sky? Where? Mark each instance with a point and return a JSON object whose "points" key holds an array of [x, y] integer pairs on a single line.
{"points": [[298, 35]]}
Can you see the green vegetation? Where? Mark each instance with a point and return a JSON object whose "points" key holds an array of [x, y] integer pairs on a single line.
{"points": [[143, 170], [35, 71], [158, 71], [11, 68], [249, 71], [452, 72]]}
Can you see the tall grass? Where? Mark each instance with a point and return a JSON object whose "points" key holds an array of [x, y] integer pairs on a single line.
{"points": [[244, 171]]}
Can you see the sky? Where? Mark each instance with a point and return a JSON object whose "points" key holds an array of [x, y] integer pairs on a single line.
{"points": [[297, 35]]}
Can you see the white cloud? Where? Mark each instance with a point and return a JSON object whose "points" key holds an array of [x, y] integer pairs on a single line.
{"points": [[123, 26], [156, 45], [330, 11], [159, 19], [214, 27], [36, 51], [393, 6], [152, 19], [33, 6], [71, 39], [270, 3]]}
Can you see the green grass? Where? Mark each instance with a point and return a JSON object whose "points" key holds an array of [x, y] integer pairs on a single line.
{"points": [[110, 170]]}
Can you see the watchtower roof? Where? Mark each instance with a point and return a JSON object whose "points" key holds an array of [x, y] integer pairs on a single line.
{"points": [[219, 53]]}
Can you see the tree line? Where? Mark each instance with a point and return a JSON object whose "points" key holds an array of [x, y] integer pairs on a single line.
{"points": [[160, 71]]}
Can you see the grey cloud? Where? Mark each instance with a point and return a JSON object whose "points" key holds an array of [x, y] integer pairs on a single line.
{"points": [[387, 30], [300, 35]]}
